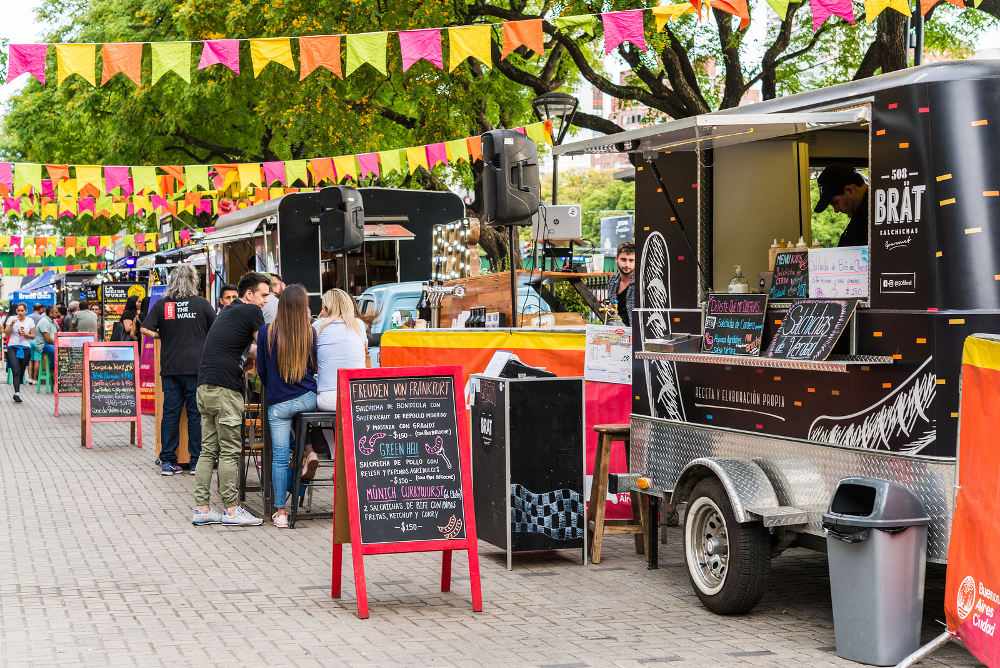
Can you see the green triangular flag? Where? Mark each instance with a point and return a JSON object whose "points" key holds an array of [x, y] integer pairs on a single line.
{"points": [[391, 161], [196, 176], [171, 57], [367, 48], [567, 23], [144, 179], [26, 174], [296, 170]]}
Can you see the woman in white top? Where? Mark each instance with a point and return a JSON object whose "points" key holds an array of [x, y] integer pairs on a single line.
{"points": [[341, 344], [21, 330]]}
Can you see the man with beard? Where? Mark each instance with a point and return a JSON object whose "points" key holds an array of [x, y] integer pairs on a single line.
{"points": [[621, 286]]}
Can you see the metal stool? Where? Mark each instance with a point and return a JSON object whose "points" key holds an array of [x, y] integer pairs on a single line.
{"points": [[302, 423], [597, 526]]}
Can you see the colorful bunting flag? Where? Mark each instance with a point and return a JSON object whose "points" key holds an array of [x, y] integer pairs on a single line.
{"points": [[249, 175], [196, 176], [274, 171], [124, 58], [316, 52], [824, 9], [437, 154], [368, 164], [346, 167], [57, 172], [469, 42], [367, 48], [416, 45], [26, 177], [116, 177], [416, 156], [458, 149], [7, 175], [667, 13], [220, 52], [392, 161], [90, 175], [624, 26], [271, 50], [171, 57], [926, 5], [322, 170], [538, 133], [523, 33], [296, 170], [584, 22], [144, 180], [26, 59], [475, 145], [875, 7]]}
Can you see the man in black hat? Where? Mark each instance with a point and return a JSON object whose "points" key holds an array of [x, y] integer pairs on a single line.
{"points": [[847, 191]]}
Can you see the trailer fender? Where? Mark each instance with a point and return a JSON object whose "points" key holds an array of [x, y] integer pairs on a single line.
{"points": [[746, 484]]}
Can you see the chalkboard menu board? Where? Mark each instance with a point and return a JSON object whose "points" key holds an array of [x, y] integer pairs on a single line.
{"points": [[69, 362], [811, 328], [734, 324], [112, 381], [406, 459], [791, 276]]}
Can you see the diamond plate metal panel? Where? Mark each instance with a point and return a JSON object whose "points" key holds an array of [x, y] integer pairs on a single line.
{"points": [[804, 475]]}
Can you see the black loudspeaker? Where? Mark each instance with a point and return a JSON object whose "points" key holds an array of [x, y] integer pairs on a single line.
{"points": [[510, 178], [342, 221]]}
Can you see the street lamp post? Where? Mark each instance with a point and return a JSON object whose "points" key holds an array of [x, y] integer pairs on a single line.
{"points": [[553, 105]]}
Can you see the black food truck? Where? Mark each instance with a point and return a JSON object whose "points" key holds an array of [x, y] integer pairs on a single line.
{"points": [[336, 236], [755, 444]]}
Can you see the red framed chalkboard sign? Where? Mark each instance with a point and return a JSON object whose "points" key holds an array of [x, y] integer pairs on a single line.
{"points": [[403, 480], [111, 387], [68, 367]]}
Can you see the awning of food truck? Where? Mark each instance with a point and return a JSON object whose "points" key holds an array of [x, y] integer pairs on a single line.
{"points": [[240, 230], [715, 130]]}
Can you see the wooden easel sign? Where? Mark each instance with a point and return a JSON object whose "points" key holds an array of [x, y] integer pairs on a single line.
{"points": [[69, 364], [403, 471], [110, 387]]}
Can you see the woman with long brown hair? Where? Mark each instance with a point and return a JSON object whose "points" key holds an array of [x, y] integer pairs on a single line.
{"points": [[286, 363]]}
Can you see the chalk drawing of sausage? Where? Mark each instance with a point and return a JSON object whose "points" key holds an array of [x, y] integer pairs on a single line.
{"points": [[369, 448], [438, 449]]}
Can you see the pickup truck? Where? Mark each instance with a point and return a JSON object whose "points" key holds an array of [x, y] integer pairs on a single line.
{"points": [[395, 306]]}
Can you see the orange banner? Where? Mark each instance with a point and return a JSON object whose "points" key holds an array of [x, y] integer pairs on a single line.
{"points": [[972, 592]]}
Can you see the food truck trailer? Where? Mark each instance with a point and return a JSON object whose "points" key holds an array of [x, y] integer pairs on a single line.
{"points": [[298, 236], [756, 445]]}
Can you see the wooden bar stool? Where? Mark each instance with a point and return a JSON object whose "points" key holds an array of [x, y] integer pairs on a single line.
{"points": [[597, 526]]}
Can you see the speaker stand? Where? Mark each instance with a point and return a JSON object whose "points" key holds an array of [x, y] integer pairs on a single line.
{"points": [[513, 274]]}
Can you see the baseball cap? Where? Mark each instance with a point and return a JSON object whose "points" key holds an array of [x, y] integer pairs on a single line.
{"points": [[832, 182]]}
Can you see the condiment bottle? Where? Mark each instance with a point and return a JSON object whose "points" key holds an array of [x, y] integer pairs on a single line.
{"points": [[738, 284], [772, 253], [801, 246]]}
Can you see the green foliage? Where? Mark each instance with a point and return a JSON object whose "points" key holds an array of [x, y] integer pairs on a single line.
{"points": [[827, 225]]}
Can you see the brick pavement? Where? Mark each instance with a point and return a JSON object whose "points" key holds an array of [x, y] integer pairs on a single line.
{"points": [[105, 568]]}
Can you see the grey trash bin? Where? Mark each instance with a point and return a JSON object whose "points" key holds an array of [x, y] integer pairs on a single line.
{"points": [[877, 550]]}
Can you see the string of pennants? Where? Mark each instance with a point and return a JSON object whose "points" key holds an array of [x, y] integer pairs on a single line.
{"points": [[21, 251], [120, 191], [344, 54], [8, 268]]}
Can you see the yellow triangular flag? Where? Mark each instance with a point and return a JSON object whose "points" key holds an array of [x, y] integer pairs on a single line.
{"points": [[249, 175], [417, 157], [346, 165], [875, 7], [667, 13], [76, 59], [68, 188], [468, 42], [272, 49], [90, 175]]}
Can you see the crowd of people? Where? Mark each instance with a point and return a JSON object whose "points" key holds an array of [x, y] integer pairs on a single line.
{"points": [[205, 351]]}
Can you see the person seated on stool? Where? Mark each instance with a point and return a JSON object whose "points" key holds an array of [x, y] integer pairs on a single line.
{"points": [[45, 332], [342, 340], [286, 363]]}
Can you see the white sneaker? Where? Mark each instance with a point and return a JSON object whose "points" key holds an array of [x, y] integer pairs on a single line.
{"points": [[211, 517], [30, 381], [241, 518], [17, 398]]}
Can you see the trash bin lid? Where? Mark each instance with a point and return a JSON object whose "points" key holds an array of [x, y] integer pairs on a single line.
{"points": [[874, 503]]}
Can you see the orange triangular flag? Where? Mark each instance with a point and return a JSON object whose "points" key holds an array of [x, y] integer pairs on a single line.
{"points": [[475, 145], [124, 58], [322, 168], [523, 33], [57, 172], [175, 171], [319, 52], [736, 8], [926, 5]]}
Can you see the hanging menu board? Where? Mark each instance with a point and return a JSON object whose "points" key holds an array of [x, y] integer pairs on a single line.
{"points": [[811, 328], [838, 272], [734, 324], [791, 276], [111, 384], [408, 482], [69, 364]]}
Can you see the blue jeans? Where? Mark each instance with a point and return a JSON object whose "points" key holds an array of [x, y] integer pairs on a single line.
{"points": [[279, 418], [49, 350], [179, 391]]}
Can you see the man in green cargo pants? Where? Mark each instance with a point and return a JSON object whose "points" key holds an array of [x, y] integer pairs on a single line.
{"points": [[220, 399]]}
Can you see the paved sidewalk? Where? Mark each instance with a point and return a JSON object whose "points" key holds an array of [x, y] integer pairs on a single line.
{"points": [[103, 567]]}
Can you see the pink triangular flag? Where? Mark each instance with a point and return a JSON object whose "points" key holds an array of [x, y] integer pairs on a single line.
{"points": [[87, 204], [26, 58], [116, 177], [415, 45], [436, 154], [48, 190], [824, 9], [274, 171], [61, 252], [523, 130], [204, 206], [7, 175], [221, 52], [140, 238], [12, 204], [625, 26], [368, 162]]}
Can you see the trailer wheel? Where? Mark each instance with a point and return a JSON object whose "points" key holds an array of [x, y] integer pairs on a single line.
{"points": [[727, 561]]}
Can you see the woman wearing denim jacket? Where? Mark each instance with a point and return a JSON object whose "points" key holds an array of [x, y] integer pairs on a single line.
{"points": [[286, 363]]}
